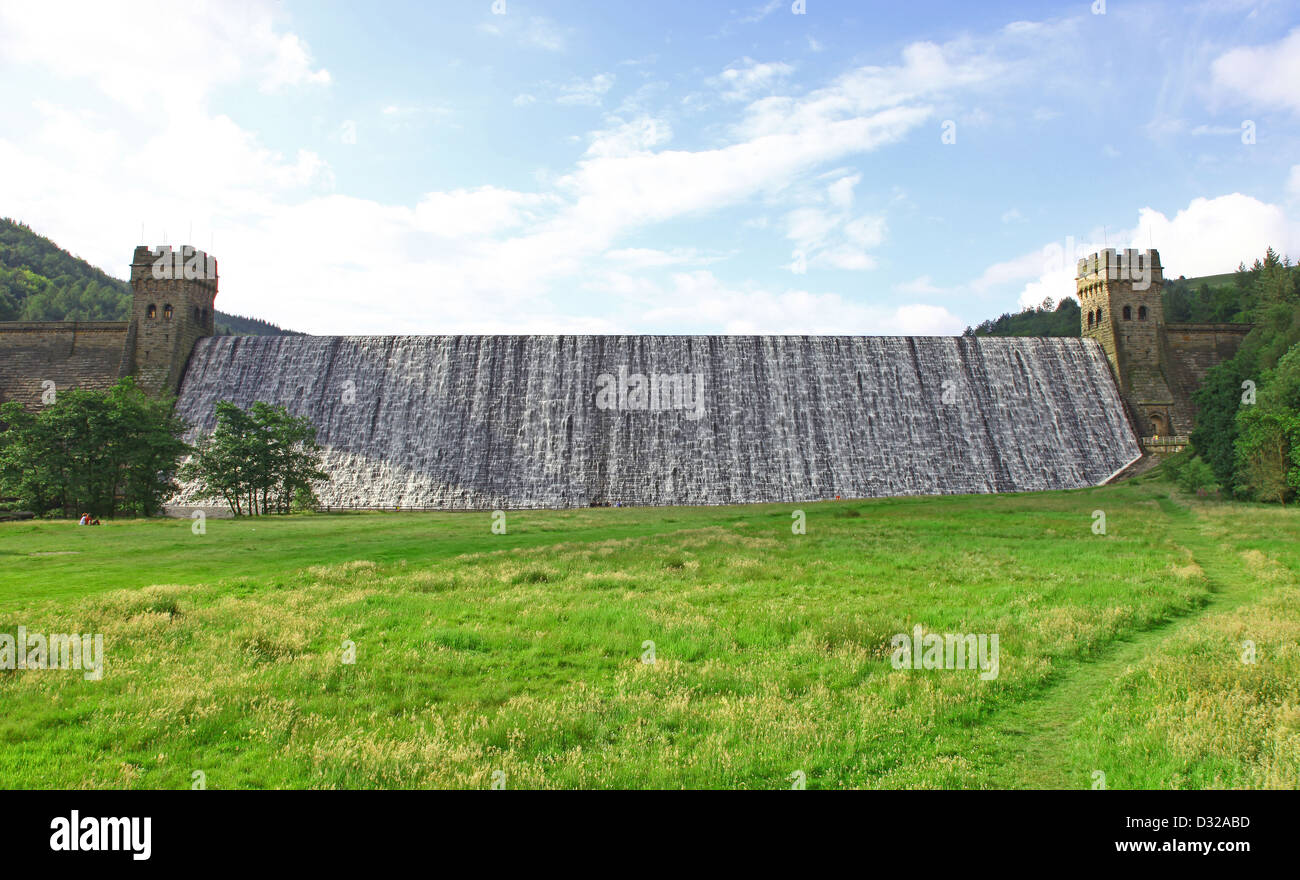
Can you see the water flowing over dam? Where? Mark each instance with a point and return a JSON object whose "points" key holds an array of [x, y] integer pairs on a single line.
{"points": [[487, 422]]}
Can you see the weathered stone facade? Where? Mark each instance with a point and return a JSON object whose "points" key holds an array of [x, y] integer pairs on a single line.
{"points": [[1158, 366], [168, 314], [172, 308], [1191, 350], [37, 357]]}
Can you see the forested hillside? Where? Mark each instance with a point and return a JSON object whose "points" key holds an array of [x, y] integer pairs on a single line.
{"points": [[40, 281], [1048, 319], [1229, 298], [1248, 424]]}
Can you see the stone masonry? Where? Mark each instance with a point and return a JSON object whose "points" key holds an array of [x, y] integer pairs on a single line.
{"points": [[172, 308], [39, 356], [1158, 366]]}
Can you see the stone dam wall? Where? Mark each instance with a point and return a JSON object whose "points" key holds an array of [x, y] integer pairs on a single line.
{"points": [[69, 354], [487, 422], [1191, 351]]}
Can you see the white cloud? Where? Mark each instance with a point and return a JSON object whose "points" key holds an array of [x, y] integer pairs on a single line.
{"points": [[408, 111], [809, 227], [927, 70], [840, 193], [749, 78], [826, 234], [544, 34], [922, 285], [478, 212], [535, 31], [1263, 76], [629, 138], [758, 13], [587, 92], [478, 259], [1293, 184], [865, 231], [291, 66], [1214, 235], [653, 258], [1202, 130], [699, 298], [96, 42], [1020, 268], [1207, 237], [845, 256]]}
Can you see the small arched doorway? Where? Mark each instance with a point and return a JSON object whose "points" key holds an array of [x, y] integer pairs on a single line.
{"points": [[1159, 424]]}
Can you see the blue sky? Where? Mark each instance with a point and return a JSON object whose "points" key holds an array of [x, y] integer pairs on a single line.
{"points": [[676, 167]]}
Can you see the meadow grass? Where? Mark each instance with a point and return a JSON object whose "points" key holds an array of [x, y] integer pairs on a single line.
{"points": [[524, 653], [1217, 704]]}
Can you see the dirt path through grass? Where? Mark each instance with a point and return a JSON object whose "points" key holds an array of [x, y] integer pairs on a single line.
{"points": [[1041, 742]]}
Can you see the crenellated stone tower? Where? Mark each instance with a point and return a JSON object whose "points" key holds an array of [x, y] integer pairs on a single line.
{"points": [[1158, 366], [172, 308], [1120, 294]]}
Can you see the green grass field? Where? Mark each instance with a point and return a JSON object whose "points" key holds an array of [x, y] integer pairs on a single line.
{"points": [[520, 657]]}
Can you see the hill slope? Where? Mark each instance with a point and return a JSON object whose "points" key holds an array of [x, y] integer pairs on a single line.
{"points": [[40, 281]]}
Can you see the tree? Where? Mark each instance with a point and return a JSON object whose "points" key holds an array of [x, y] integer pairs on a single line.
{"points": [[1049, 319], [1195, 476], [1268, 435], [1263, 448], [96, 452], [259, 461], [1218, 401], [1266, 295]]}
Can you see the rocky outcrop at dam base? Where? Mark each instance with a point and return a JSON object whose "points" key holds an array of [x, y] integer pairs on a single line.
{"points": [[487, 422]]}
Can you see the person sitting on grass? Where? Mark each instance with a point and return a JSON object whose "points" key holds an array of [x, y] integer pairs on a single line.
{"points": [[85, 520]]}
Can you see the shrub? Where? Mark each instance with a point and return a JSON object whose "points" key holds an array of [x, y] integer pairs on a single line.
{"points": [[1196, 476], [1172, 466]]}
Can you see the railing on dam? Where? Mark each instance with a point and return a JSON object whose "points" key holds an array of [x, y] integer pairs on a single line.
{"points": [[1165, 445]]}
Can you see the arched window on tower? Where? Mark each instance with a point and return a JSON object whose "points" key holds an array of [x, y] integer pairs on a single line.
{"points": [[1142, 313], [1128, 313], [1090, 316], [167, 312], [153, 312]]}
